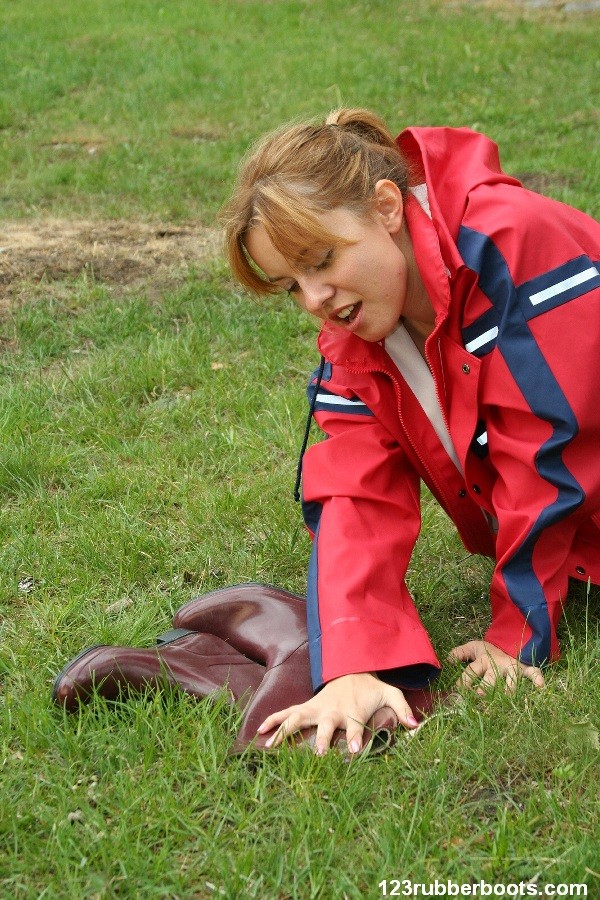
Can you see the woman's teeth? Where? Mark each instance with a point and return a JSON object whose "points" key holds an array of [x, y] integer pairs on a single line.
{"points": [[346, 313]]}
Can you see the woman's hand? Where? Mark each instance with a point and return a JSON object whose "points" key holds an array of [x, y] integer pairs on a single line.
{"points": [[488, 663], [348, 703]]}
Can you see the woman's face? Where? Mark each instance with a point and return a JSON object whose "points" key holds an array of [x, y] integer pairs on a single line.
{"points": [[359, 286]]}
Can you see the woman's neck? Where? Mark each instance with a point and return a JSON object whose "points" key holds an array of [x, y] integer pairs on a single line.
{"points": [[417, 307], [418, 315]]}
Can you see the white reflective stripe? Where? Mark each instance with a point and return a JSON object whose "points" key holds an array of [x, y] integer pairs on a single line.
{"points": [[563, 286], [482, 339], [482, 439], [340, 401]]}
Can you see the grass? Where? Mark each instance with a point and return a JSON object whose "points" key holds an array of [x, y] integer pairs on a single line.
{"points": [[155, 464], [149, 441], [144, 108]]}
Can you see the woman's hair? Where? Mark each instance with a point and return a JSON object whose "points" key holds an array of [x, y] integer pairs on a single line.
{"points": [[299, 171]]}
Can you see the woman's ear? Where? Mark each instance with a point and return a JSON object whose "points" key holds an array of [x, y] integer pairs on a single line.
{"points": [[389, 204]]}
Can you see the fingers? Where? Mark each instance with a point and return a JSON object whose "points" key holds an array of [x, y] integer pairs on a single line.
{"points": [[473, 672], [511, 680], [354, 736], [346, 703], [403, 711], [286, 721], [487, 664], [535, 676], [465, 652], [520, 671], [274, 720], [291, 720], [480, 675], [488, 680], [392, 711]]}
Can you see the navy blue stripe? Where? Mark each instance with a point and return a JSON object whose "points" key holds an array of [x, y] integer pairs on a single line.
{"points": [[358, 410], [488, 320], [492, 317], [327, 372], [356, 407], [555, 276], [312, 617], [315, 381], [311, 513], [326, 376], [547, 401]]}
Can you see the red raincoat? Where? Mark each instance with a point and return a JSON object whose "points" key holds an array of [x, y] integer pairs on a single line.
{"points": [[514, 279]]}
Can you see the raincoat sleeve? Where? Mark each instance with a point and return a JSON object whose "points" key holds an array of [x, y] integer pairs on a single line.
{"points": [[361, 506]]}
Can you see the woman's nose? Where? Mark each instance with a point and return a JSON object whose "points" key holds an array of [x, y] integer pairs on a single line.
{"points": [[316, 293]]}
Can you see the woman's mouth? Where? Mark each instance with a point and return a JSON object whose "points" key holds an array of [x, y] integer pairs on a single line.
{"points": [[348, 314]]}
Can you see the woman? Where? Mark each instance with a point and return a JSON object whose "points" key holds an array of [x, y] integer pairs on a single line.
{"points": [[459, 345]]}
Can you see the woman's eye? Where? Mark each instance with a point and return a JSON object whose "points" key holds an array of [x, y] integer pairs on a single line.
{"points": [[325, 261], [292, 288]]}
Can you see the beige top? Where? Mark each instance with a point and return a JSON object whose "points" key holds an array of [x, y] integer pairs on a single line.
{"points": [[415, 371]]}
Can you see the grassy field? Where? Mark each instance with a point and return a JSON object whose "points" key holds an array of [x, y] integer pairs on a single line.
{"points": [[151, 414]]}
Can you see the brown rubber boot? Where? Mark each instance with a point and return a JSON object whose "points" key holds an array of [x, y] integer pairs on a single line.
{"points": [[250, 639], [200, 664]]}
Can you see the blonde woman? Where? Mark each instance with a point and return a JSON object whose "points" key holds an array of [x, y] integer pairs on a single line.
{"points": [[460, 343]]}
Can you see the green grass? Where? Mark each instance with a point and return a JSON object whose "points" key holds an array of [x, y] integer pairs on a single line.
{"points": [[143, 108], [137, 473], [149, 441]]}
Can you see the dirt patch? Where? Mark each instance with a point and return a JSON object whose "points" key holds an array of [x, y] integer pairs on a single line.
{"points": [[115, 253], [123, 254]]}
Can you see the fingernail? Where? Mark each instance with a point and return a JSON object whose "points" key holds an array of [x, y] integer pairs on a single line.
{"points": [[354, 746], [320, 750], [412, 721], [269, 741]]}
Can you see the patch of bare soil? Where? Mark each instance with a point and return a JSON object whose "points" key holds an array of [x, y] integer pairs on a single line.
{"points": [[123, 254], [116, 253]]}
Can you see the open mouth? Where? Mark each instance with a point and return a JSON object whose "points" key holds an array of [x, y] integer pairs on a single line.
{"points": [[348, 314]]}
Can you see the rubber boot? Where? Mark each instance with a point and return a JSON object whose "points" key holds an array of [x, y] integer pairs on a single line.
{"points": [[200, 664], [250, 639]]}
